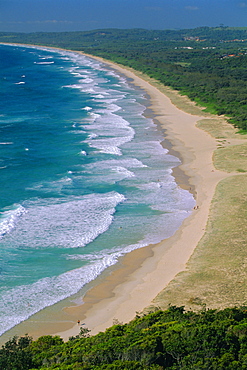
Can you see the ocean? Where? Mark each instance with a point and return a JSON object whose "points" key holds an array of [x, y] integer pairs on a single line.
{"points": [[84, 176]]}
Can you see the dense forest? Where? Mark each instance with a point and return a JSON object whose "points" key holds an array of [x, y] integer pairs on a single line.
{"points": [[171, 339], [207, 64]]}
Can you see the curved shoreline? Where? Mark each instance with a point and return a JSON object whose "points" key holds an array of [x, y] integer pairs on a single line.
{"points": [[139, 276], [136, 289]]}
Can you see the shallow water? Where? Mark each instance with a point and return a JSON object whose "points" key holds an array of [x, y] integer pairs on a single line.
{"points": [[84, 177]]}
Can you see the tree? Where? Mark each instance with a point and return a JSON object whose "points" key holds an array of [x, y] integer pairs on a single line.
{"points": [[16, 354]]}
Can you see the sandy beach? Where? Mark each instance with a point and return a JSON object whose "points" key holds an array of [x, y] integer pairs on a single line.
{"points": [[124, 292], [134, 282]]}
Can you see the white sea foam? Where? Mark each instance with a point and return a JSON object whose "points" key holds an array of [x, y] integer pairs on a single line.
{"points": [[86, 80], [125, 162], [74, 86], [109, 146], [87, 108], [52, 186], [90, 221], [111, 171], [10, 218], [112, 131], [99, 96], [46, 57], [94, 116], [123, 171], [92, 136], [44, 62], [17, 304], [110, 108], [69, 223]]}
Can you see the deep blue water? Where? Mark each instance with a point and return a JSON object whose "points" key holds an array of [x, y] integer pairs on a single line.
{"points": [[84, 177]]}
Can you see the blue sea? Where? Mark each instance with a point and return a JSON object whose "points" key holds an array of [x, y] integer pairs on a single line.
{"points": [[84, 176]]}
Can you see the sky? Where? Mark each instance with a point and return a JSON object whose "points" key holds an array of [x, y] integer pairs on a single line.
{"points": [[83, 15]]}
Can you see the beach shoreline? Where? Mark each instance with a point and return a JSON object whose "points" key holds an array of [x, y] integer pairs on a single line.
{"points": [[139, 287], [132, 284], [137, 290]]}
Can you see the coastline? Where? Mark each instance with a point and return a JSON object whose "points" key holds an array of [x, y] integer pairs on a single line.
{"points": [[133, 283], [138, 288], [135, 290]]}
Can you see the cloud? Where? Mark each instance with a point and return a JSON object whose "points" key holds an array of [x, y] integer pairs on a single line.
{"points": [[242, 5], [191, 7]]}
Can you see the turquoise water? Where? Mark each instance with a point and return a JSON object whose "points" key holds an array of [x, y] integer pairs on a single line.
{"points": [[84, 177]]}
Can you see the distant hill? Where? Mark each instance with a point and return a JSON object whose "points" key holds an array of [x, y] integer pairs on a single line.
{"points": [[213, 34]]}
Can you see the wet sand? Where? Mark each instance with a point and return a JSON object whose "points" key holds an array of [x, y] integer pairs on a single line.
{"points": [[132, 284], [127, 289]]}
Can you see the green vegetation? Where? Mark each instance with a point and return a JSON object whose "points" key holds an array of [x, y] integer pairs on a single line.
{"points": [[215, 275], [232, 158], [206, 64], [171, 339]]}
